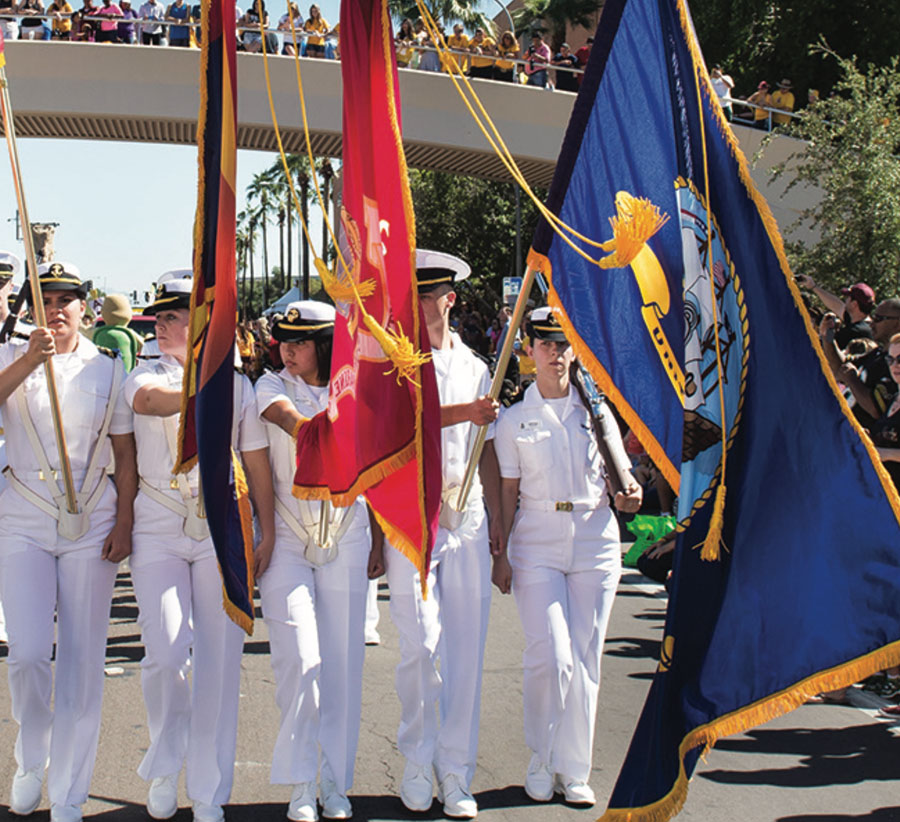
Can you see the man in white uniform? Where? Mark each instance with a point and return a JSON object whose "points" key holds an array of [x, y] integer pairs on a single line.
{"points": [[451, 624], [54, 561]]}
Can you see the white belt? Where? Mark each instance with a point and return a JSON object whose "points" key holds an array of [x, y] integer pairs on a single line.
{"points": [[195, 526], [57, 509], [564, 506], [315, 553]]}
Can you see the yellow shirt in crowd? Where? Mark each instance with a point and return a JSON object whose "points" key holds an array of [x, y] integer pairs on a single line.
{"points": [[507, 52], [478, 61], [457, 43], [319, 26], [785, 100]]}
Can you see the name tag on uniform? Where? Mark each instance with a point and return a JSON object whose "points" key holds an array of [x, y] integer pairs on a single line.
{"points": [[531, 425]]}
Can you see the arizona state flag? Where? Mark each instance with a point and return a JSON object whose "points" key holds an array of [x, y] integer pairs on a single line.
{"points": [[381, 432], [675, 291], [208, 393]]}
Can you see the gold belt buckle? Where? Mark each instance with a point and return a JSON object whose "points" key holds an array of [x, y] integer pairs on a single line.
{"points": [[43, 478], [173, 484], [565, 506]]}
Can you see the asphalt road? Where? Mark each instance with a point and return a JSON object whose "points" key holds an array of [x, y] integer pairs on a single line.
{"points": [[822, 763]]}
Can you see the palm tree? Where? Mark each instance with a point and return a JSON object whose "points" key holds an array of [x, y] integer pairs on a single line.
{"points": [[444, 12], [554, 17], [260, 189]]}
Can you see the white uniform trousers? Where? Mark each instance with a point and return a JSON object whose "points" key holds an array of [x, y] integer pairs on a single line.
{"points": [[450, 626], [42, 574], [316, 617], [184, 627], [564, 607]]}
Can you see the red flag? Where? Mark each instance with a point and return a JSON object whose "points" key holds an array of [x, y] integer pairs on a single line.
{"points": [[381, 432]]}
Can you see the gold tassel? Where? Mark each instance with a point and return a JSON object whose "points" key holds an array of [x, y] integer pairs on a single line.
{"points": [[636, 221], [398, 347], [340, 286], [710, 550]]}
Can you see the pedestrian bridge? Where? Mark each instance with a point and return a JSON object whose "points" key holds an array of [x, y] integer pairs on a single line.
{"points": [[150, 94]]}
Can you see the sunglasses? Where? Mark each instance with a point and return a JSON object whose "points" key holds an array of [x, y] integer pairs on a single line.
{"points": [[877, 318], [891, 360]]}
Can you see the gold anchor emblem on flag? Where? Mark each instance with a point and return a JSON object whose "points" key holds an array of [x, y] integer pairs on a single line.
{"points": [[636, 221]]}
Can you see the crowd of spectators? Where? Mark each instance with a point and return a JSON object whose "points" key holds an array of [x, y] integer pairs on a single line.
{"points": [[176, 23], [764, 108], [488, 58]]}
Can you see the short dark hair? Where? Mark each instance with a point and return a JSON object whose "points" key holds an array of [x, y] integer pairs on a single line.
{"points": [[323, 357]]}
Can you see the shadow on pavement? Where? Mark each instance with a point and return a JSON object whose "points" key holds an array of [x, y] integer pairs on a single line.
{"points": [[878, 815], [828, 756], [633, 647]]}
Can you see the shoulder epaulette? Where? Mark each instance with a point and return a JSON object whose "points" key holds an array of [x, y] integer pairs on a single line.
{"points": [[149, 357], [19, 335], [109, 352]]}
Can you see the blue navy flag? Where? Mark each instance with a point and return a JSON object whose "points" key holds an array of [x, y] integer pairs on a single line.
{"points": [[672, 284]]}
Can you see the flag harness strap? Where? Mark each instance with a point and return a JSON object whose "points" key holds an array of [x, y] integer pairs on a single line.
{"points": [[71, 526]]}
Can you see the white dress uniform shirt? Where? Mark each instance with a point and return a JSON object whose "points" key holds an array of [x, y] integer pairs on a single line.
{"points": [[44, 573], [315, 615], [566, 559], [451, 625], [549, 446], [183, 624]]}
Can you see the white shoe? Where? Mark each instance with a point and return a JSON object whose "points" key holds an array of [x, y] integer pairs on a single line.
{"points": [[335, 805], [538, 780], [458, 802], [575, 791], [25, 794], [65, 813], [373, 637], [208, 813], [417, 787], [302, 807], [162, 798]]}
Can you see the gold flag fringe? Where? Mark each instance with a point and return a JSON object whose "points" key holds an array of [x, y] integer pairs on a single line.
{"points": [[235, 614], [770, 707], [364, 481]]}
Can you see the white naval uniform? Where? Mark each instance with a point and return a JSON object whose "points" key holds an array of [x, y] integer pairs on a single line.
{"points": [[179, 593], [44, 572], [315, 615], [566, 567], [451, 624]]}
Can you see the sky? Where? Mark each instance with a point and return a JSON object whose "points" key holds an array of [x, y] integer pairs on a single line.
{"points": [[125, 210]]}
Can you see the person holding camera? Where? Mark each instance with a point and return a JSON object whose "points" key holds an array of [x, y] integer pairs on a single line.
{"points": [[539, 56]]}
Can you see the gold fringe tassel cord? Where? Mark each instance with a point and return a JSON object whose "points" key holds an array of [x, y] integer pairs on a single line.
{"points": [[710, 549], [636, 221], [398, 347]]}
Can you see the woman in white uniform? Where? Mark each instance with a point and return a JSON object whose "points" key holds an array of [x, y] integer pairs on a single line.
{"points": [[55, 562], [314, 595], [178, 583], [564, 560]]}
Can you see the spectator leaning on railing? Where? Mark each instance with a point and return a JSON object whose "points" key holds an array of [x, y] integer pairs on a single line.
{"points": [[782, 98], [508, 50], [31, 28], [109, 28], [179, 35], [566, 80], [760, 98], [483, 48], [316, 27], [61, 14], [151, 12], [538, 57], [458, 42]]}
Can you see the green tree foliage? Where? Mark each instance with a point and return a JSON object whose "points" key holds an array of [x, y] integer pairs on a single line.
{"points": [[445, 12], [770, 39], [555, 16], [851, 154], [474, 219]]}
